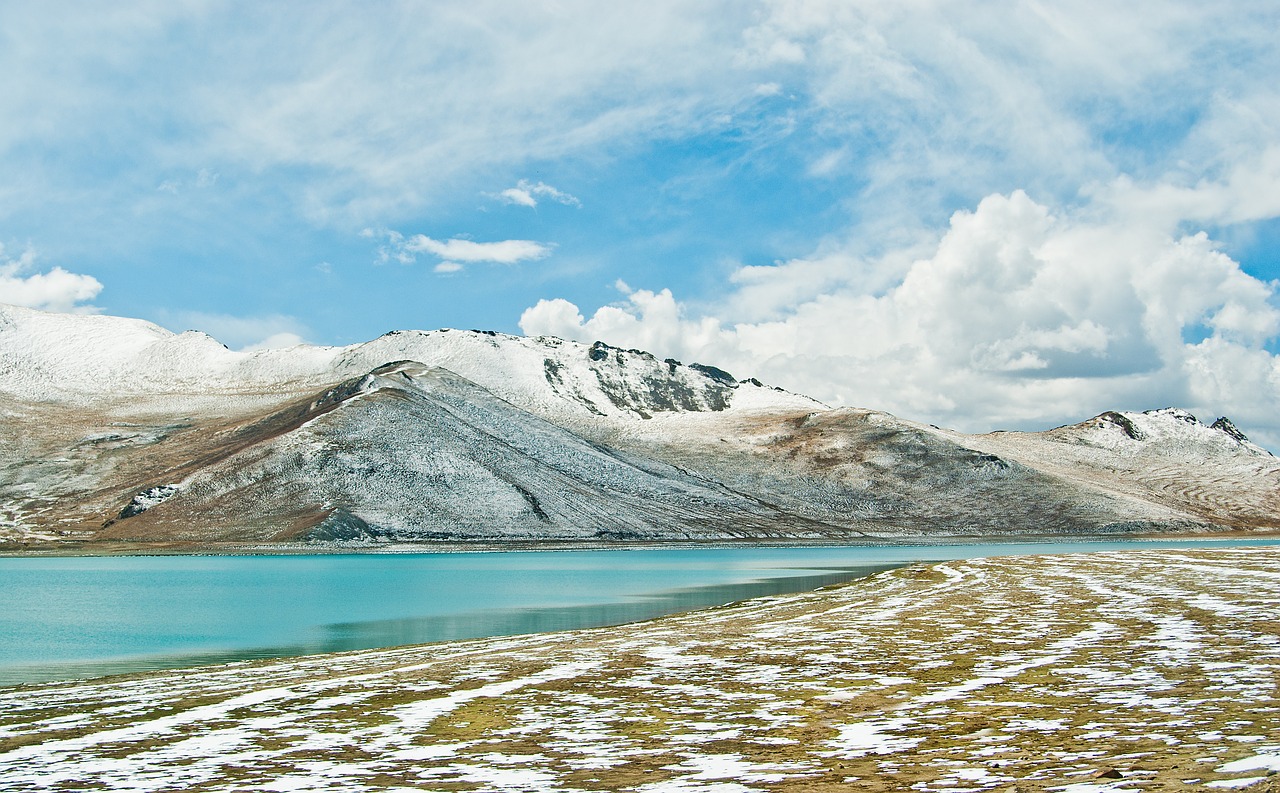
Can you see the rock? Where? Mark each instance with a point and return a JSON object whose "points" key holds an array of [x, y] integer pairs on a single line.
{"points": [[598, 351], [1223, 424], [147, 499], [1123, 422], [1178, 414], [719, 375]]}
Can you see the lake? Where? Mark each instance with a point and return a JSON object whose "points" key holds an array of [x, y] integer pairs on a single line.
{"points": [[69, 617]]}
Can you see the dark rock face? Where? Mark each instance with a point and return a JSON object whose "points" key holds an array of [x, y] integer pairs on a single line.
{"points": [[534, 504], [341, 525], [598, 351], [990, 460], [654, 394], [146, 500], [1125, 425], [552, 371], [1223, 424], [637, 382], [719, 375]]}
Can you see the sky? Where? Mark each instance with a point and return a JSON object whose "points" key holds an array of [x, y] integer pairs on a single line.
{"points": [[981, 215]]}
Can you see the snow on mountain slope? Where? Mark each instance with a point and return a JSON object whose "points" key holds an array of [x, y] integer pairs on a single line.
{"points": [[888, 476], [1165, 457], [568, 380], [80, 359], [412, 453], [1167, 431], [77, 358]]}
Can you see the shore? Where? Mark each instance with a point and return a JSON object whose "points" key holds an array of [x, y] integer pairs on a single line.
{"points": [[1134, 670], [138, 548]]}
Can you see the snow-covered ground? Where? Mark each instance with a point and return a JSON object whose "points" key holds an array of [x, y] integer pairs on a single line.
{"points": [[89, 359], [1140, 670]]}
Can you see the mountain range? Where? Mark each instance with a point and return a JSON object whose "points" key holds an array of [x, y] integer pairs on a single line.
{"points": [[118, 434]]}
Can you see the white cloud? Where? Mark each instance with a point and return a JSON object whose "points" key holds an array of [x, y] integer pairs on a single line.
{"points": [[269, 331], [940, 103], [1017, 316], [473, 86], [276, 341], [526, 194], [518, 196], [456, 253], [460, 250], [55, 290], [1132, 121], [373, 112]]}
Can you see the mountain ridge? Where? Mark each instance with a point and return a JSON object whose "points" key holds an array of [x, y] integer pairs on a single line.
{"points": [[117, 431]]}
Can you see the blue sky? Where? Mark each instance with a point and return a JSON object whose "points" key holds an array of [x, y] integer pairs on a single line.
{"points": [[878, 204]]}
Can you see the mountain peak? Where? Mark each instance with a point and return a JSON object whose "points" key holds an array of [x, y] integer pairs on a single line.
{"points": [[1225, 425], [1171, 429]]}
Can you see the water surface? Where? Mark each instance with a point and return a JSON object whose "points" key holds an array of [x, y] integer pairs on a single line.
{"points": [[70, 617]]}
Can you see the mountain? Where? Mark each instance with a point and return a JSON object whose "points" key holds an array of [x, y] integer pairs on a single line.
{"points": [[117, 433]]}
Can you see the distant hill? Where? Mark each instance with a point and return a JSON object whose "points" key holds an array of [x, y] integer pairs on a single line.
{"points": [[117, 432]]}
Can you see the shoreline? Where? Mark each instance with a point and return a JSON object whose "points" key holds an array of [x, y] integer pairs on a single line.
{"points": [[108, 549]]}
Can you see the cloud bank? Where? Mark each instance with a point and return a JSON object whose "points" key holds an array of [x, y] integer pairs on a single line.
{"points": [[1017, 316]]}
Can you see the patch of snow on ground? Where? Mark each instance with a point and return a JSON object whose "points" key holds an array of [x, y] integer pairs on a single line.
{"points": [[1261, 762], [873, 737]]}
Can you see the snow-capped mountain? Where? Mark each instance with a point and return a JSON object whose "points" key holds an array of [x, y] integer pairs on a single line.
{"points": [[117, 431], [86, 360]]}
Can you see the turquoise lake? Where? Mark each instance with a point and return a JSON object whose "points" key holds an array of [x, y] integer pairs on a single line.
{"points": [[69, 617]]}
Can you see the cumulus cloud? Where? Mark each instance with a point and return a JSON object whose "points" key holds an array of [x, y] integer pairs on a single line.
{"points": [[54, 290], [526, 194], [455, 253], [1018, 315]]}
